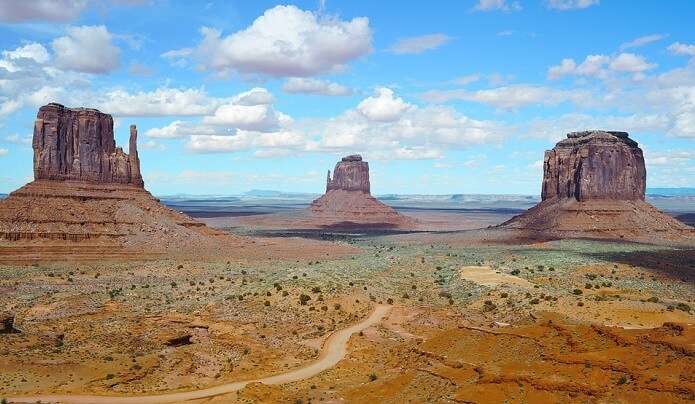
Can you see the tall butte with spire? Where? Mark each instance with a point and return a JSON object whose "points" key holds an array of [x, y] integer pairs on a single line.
{"points": [[348, 201], [594, 186], [89, 193]]}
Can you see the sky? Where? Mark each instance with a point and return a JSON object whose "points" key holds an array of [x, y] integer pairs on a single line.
{"points": [[440, 97]]}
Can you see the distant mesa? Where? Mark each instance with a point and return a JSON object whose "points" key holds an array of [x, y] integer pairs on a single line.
{"points": [[348, 202], [594, 186], [86, 190]]}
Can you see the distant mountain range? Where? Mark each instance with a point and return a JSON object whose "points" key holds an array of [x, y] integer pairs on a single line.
{"points": [[671, 191]]}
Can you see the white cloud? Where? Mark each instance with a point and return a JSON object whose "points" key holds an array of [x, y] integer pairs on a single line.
{"points": [[244, 140], [138, 69], [298, 85], [15, 11], [151, 145], [643, 40], [160, 102], [629, 62], [565, 5], [86, 49], [179, 129], [3, 152], [419, 44], [383, 106], [17, 139], [33, 51], [465, 80], [251, 111], [599, 66], [502, 5], [286, 41], [508, 97], [678, 48]]}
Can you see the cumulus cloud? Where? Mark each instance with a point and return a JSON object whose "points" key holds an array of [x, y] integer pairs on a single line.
{"points": [[410, 132], [179, 129], [299, 85], [419, 44], [14, 11], [599, 66], [643, 40], [629, 62], [159, 102], [678, 48], [565, 5], [251, 111], [508, 97], [17, 139], [87, 49], [284, 41], [492, 5], [3, 152], [383, 106], [244, 140]]}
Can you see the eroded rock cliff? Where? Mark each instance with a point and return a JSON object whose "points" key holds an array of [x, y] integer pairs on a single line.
{"points": [[350, 174], [594, 186], [594, 165], [78, 144]]}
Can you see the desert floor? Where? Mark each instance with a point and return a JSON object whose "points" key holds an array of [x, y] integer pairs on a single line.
{"points": [[558, 321]]}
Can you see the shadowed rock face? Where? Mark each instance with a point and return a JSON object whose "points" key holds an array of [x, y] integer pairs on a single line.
{"points": [[78, 144], [350, 174], [594, 165]]}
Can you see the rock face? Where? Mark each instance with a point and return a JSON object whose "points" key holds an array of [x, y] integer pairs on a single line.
{"points": [[594, 165], [594, 186], [350, 174], [78, 144], [348, 203], [88, 191]]}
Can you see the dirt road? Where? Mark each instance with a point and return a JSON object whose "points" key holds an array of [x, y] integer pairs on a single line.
{"points": [[334, 349]]}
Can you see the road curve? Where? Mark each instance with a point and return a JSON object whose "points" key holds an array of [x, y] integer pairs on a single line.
{"points": [[334, 349]]}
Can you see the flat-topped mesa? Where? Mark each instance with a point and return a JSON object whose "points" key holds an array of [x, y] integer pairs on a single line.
{"points": [[350, 174], [77, 144], [594, 165]]}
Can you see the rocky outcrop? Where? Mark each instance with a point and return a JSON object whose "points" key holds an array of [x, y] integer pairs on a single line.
{"points": [[594, 186], [594, 165], [88, 199], [78, 144], [350, 174], [348, 203]]}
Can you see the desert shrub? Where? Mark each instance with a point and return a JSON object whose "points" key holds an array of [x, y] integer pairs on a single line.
{"points": [[504, 294], [535, 301], [515, 272], [303, 299], [372, 377], [285, 293], [683, 307], [336, 306], [316, 289], [577, 292], [389, 301], [588, 286], [266, 303], [405, 296], [580, 304], [653, 299]]}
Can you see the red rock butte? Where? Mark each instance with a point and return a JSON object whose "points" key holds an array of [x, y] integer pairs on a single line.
{"points": [[348, 202], [88, 197], [594, 185]]}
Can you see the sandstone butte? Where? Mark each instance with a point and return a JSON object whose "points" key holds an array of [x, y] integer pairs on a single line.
{"points": [[90, 192], [348, 202], [594, 186]]}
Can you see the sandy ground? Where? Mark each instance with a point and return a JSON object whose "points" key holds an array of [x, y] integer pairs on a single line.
{"points": [[470, 319]]}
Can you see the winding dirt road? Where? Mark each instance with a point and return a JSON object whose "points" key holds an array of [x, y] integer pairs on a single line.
{"points": [[334, 349]]}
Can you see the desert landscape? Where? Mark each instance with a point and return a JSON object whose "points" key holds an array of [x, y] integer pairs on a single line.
{"points": [[120, 285]]}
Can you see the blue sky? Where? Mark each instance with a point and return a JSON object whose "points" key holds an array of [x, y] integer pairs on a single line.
{"points": [[445, 97]]}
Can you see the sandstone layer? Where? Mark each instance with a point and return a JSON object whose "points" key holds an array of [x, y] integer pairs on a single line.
{"points": [[348, 202], [594, 186], [88, 191]]}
